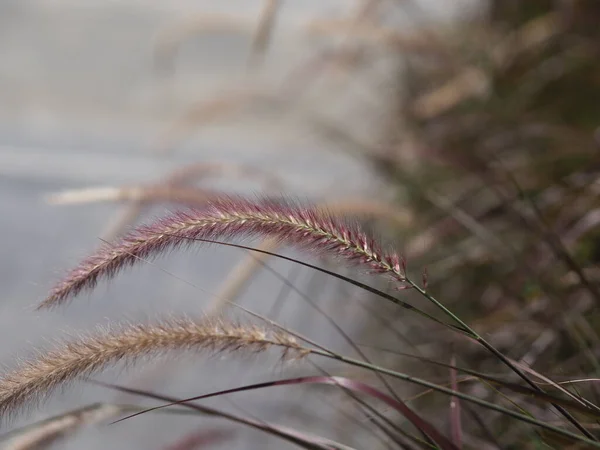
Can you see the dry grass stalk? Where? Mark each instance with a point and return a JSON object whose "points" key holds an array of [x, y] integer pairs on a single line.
{"points": [[171, 38], [174, 188], [192, 196], [37, 378], [238, 277], [142, 194], [469, 83], [47, 433], [264, 31], [472, 81], [376, 35], [306, 228], [195, 172], [348, 56], [124, 218], [223, 105], [189, 174]]}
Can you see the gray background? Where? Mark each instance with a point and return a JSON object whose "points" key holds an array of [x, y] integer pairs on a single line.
{"points": [[80, 106]]}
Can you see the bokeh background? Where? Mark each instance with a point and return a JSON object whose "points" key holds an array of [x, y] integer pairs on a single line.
{"points": [[98, 95]]}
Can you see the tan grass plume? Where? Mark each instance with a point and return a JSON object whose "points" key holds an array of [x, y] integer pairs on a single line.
{"points": [[37, 378]]}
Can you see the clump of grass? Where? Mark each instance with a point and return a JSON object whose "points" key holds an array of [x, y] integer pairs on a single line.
{"points": [[304, 227], [499, 174], [495, 154]]}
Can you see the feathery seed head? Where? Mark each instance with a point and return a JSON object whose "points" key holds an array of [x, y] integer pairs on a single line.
{"points": [[40, 376], [306, 228]]}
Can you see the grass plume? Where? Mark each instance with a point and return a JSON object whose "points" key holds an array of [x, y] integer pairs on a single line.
{"points": [[306, 228], [38, 377]]}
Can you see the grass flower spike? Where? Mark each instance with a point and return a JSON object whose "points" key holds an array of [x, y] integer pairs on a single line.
{"points": [[84, 356], [305, 228]]}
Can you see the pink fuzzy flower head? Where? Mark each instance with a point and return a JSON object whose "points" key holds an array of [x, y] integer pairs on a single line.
{"points": [[306, 228]]}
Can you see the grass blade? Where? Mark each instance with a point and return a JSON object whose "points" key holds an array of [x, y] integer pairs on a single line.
{"points": [[304, 440], [345, 383]]}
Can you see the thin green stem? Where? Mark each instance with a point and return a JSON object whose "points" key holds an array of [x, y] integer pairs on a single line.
{"points": [[349, 280], [458, 394], [499, 355]]}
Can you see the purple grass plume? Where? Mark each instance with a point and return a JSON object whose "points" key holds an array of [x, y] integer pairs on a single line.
{"points": [[303, 227]]}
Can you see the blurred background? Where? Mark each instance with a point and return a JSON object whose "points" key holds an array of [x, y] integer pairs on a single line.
{"points": [[465, 133]]}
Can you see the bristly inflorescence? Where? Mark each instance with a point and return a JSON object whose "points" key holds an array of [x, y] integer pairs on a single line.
{"points": [[40, 376], [306, 228]]}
